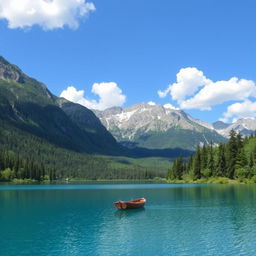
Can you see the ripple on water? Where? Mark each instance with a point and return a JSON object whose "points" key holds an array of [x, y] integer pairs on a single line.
{"points": [[177, 220]]}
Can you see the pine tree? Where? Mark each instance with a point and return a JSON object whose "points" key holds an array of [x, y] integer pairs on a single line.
{"points": [[221, 162], [190, 164], [232, 153], [251, 160], [239, 141], [241, 160], [171, 174], [204, 157], [179, 168], [197, 164], [211, 163], [254, 152]]}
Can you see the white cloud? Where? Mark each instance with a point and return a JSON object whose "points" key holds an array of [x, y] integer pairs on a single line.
{"points": [[240, 110], [151, 103], [49, 14], [219, 92], [189, 80], [164, 93], [170, 106], [193, 90], [109, 94]]}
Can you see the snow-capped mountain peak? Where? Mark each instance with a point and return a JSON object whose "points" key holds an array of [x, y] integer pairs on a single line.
{"points": [[140, 121]]}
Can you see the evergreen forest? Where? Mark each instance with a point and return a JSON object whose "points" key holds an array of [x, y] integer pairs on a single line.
{"points": [[234, 160], [25, 157]]}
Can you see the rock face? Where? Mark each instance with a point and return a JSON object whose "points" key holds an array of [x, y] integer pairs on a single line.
{"points": [[126, 122], [245, 126], [156, 126], [219, 125], [10, 72]]}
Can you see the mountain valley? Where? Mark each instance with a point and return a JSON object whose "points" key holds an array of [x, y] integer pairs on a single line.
{"points": [[138, 141]]}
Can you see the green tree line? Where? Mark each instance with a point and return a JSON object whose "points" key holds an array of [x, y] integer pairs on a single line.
{"points": [[25, 156], [12, 166], [234, 160]]}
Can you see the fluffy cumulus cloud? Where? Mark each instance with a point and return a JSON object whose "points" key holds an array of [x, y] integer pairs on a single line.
{"points": [[49, 14], [219, 92], [193, 90], [109, 94], [240, 110], [188, 82]]}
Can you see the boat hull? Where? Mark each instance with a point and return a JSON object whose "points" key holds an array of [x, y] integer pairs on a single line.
{"points": [[134, 204]]}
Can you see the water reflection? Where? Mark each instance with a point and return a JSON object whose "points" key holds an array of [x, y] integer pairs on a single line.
{"points": [[128, 213]]}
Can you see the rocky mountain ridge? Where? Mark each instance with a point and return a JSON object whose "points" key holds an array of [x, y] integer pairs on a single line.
{"points": [[145, 116], [137, 124], [245, 126], [153, 125]]}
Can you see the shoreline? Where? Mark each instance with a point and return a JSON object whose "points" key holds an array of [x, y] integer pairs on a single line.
{"points": [[215, 180], [83, 181]]}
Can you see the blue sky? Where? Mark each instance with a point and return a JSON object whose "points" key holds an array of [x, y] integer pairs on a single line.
{"points": [[139, 47]]}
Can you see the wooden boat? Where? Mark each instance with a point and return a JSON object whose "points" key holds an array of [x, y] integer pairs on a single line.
{"points": [[134, 204]]}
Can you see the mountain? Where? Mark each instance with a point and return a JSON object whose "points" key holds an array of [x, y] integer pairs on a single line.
{"points": [[245, 126], [219, 125], [155, 126], [27, 105], [86, 120], [39, 129]]}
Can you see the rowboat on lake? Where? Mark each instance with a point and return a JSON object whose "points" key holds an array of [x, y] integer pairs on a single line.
{"points": [[134, 204]]}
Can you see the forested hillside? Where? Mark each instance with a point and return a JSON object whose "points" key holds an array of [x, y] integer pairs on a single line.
{"points": [[234, 160], [25, 156], [55, 138]]}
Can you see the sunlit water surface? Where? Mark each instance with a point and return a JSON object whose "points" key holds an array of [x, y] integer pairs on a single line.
{"points": [[81, 220]]}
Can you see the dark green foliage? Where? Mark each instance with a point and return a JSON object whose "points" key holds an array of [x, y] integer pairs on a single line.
{"points": [[221, 165], [204, 159], [251, 160], [235, 160], [211, 163], [241, 159], [60, 163], [177, 169], [197, 164], [232, 152], [13, 166]]}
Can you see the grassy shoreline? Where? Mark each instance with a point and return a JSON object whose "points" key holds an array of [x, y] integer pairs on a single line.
{"points": [[213, 180], [80, 181]]}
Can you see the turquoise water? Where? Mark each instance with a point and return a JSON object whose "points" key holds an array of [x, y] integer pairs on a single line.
{"points": [[81, 220]]}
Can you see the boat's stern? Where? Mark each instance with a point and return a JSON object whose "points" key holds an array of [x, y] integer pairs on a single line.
{"points": [[120, 205]]}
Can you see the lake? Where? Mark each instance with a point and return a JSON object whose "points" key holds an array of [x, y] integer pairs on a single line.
{"points": [[81, 220]]}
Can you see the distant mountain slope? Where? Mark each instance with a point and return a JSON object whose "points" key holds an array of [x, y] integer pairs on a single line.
{"points": [[29, 106], [90, 124], [245, 126], [219, 125], [155, 126]]}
